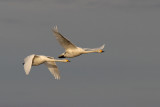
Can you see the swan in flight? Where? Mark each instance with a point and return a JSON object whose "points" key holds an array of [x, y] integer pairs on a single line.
{"points": [[35, 60], [72, 50]]}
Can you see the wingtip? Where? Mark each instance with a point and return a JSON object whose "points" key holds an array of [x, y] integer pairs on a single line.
{"points": [[55, 28], [27, 73], [102, 46], [57, 78]]}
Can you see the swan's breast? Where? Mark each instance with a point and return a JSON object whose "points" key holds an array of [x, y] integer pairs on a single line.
{"points": [[37, 61], [73, 52]]}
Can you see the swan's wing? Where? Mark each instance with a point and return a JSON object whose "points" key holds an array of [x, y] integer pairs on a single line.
{"points": [[89, 49], [65, 43], [52, 67], [28, 63]]}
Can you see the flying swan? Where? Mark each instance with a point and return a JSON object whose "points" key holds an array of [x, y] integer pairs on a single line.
{"points": [[35, 60], [72, 50]]}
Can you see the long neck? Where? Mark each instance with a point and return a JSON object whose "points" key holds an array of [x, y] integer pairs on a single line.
{"points": [[90, 51], [58, 60]]}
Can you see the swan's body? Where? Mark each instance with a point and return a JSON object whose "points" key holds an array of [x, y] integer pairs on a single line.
{"points": [[72, 50], [35, 60]]}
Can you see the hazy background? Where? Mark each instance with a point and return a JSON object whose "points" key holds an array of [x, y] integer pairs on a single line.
{"points": [[126, 75]]}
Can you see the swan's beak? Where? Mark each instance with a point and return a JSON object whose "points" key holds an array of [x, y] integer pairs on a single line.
{"points": [[68, 60], [23, 63], [100, 51]]}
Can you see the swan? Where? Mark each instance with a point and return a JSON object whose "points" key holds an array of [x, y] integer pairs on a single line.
{"points": [[35, 60], [72, 50]]}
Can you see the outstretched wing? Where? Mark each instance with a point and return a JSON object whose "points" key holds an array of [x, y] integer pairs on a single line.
{"points": [[52, 67], [89, 49], [28, 63], [65, 43]]}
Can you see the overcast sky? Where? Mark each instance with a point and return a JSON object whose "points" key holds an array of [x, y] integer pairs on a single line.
{"points": [[125, 75]]}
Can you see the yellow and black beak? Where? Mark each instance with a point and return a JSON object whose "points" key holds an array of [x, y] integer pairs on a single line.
{"points": [[68, 60], [100, 51]]}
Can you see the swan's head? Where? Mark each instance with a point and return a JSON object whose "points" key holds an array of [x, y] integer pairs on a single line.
{"points": [[100, 51]]}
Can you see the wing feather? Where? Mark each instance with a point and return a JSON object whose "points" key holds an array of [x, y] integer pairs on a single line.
{"points": [[65, 43], [28, 63], [52, 67]]}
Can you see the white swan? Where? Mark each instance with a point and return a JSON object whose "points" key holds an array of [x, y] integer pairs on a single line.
{"points": [[72, 50], [34, 60]]}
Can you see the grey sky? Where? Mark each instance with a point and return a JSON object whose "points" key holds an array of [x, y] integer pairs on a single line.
{"points": [[126, 75]]}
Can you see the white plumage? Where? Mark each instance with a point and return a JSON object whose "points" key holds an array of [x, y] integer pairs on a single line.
{"points": [[72, 50], [35, 60]]}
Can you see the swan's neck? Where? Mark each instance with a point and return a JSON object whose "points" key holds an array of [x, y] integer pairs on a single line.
{"points": [[58, 60], [90, 51]]}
